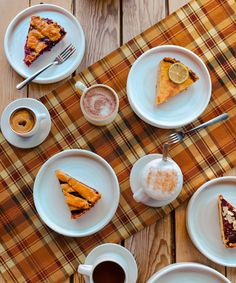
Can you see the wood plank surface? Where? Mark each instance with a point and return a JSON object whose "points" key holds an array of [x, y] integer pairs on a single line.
{"points": [[9, 78], [174, 5]]}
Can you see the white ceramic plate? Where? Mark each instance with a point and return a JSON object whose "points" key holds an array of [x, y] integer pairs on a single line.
{"points": [[121, 252], [203, 219], [91, 169], [179, 110], [15, 38], [38, 137], [188, 272]]}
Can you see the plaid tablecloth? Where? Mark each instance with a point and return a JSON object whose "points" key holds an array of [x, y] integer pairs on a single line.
{"points": [[32, 252]]}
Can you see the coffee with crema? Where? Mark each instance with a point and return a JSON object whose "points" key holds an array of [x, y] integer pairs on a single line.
{"points": [[99, 102], [22, 120]]}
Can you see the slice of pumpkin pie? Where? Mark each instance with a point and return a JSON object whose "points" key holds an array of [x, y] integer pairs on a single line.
{"points": [[79, 197], [174, 77]]}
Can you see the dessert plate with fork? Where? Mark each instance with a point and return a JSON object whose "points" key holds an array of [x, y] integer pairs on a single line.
{"points": [[16, 35]]}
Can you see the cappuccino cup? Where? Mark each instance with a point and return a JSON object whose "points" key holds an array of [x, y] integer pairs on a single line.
{"points": [[160, 180], [99, 103], [25, 121]]}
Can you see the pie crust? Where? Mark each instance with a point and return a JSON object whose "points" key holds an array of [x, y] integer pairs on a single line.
{"points": [[79, 197], [43, 34]]}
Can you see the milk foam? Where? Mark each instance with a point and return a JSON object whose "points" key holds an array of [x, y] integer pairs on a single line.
{"points": [[161, 179], [99, 102]]}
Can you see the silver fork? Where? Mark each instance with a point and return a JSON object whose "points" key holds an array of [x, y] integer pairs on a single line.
{"points": [[179, 135], [61, 58]]}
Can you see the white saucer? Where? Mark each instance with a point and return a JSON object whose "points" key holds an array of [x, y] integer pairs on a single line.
{"points": [[179, 110], [15, 38], [203, 219], [123, 252], [29, 142], [188, 272], [135, 179], [91, 169]]}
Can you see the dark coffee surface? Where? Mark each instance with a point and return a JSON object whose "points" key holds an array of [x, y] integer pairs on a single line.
{"points": [[108, 272]]}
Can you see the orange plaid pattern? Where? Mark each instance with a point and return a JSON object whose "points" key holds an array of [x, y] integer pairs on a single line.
{"points": [[29, 250]]}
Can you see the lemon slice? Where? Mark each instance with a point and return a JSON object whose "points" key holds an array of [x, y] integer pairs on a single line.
{"points": [[178, 73]]}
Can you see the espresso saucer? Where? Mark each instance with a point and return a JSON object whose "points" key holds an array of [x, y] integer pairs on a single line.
{"points": [[120, 251], [135, 180], [25, 142]]}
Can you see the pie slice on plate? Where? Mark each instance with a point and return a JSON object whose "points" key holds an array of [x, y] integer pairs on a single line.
{"points": [[79, 197], [43, 34], [173, 79], [227, 214]]}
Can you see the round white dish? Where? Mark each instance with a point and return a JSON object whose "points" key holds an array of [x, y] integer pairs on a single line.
{"points": [[120, 251], [135, 180], [187, 272], [15, 38], [91, 169], [25, 142], [203, 219], [179, 110]]}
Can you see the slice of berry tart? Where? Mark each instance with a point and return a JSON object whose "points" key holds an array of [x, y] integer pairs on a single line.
{"points": [[227, 213], [43, 34]]}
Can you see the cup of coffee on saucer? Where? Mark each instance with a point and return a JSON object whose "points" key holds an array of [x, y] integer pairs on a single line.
{"points": [[99, 103], [154, 181], [109, 263], [25, 121]]}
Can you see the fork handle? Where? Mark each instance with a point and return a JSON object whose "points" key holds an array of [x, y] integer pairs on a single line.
{"points": [[210, 122], [28, 80]]}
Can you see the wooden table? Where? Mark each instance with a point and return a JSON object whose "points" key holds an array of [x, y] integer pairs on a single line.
{"points": [[107, 24]]}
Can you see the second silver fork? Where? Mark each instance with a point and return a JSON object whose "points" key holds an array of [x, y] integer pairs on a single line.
{"points": [[179, 135], [61, 58]]}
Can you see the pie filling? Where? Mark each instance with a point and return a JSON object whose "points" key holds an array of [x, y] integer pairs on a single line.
{"points": [[228, 222], [79, 197], [43, 34], [165, 88]]}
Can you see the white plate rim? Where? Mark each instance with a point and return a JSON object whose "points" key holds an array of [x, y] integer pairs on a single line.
{"points": [[151, 121], [180, 265], [188, 224], [35, 7], [36, 192]]}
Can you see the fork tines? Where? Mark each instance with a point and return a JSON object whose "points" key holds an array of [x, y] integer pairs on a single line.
{"points": [[172, 138], [67, 52]]}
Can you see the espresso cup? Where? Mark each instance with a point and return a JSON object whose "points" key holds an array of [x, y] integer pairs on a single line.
{"points": [[19, 123], [99, 103], [160, 180], [109, 267]]}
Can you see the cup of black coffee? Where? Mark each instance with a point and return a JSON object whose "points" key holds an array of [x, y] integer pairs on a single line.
{"points": [[107, 269]]}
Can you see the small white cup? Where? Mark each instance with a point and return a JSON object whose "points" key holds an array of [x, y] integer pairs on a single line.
{"points": [[88, 270], [38, 119], [149, 191], [97, 121]]}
